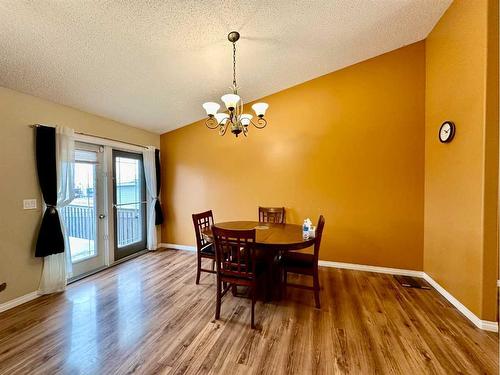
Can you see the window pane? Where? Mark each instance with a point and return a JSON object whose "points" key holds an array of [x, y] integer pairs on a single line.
{"points": [[128, 188], [129, 224], [80, 218]]}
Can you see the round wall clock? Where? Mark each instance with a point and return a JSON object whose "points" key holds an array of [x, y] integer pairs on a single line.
{"points": [[446, 131]]}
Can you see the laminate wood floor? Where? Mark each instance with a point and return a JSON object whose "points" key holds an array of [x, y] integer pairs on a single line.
{"points": [[147, 316]]}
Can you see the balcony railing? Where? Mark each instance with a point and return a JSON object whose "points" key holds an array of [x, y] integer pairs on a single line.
{"points": [[81, 221]]}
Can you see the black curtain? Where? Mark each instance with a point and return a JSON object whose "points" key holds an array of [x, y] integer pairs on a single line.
{"points": [[50, 237], [158, 211]]}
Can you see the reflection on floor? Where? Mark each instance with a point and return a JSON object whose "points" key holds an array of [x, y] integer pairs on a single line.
{"points": [[147, 316]]}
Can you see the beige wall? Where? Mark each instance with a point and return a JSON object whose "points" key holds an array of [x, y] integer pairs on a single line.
{"points": [[461, 178], [18, 227], [348, 145]]}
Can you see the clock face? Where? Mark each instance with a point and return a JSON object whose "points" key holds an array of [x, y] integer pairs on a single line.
{"points": [[447, 131]]}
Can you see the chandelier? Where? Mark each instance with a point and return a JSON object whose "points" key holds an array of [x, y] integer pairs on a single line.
{"points": [[234, 119]]}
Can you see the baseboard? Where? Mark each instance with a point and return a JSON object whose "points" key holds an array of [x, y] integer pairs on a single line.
{"points": [[483, 324], [177, 247], [366, 268], [18, 301]]}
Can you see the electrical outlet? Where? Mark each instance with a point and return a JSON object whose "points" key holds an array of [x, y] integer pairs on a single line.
{"points": [[3, 286], [29, 204]]}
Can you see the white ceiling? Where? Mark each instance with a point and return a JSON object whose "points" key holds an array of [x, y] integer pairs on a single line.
{"points": [[151, 64]]}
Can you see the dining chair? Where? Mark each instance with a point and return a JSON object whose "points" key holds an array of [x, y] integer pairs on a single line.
{"points": [[204, 248], [305, 264], [272, 215], [235, 263]]}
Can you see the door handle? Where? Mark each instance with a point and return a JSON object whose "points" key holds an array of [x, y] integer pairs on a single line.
{"points": [[102, 216]]}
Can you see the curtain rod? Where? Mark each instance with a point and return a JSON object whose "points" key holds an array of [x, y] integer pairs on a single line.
{"points": [[92, 135]]}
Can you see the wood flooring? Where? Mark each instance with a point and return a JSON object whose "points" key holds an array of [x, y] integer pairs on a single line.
{"points": [[147, 316]]}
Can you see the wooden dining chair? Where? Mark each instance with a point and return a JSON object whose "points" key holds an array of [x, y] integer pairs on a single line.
{"points": [[236, 264], [204, 248], [272, 215], [305, 264]]}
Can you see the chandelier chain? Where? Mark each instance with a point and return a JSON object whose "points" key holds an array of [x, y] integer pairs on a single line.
{"points": [[235, 88]]}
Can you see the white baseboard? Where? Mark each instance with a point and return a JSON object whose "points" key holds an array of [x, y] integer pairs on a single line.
{"points": [[366, 268], [177, 247], [18, 301], [488, 325], [483, 324]]}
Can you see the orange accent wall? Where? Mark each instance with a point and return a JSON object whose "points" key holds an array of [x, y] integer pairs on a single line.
{"points": [[348, 145], [461, 178]]}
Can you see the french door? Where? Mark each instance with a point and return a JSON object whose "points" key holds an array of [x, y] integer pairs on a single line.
{"points": [[84, 217], [96, 239], [129, 204]]}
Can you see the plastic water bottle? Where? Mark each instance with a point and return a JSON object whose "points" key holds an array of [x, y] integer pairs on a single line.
{"points": [[305, 230]]}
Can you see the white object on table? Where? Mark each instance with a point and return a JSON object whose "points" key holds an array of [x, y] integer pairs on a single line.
{"points": [[312, 231]]}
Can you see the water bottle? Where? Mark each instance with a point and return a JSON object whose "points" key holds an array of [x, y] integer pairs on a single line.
{"points": [[305, 230]]}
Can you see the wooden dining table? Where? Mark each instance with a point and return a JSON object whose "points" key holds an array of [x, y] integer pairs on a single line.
{"points": [[272, 240]]}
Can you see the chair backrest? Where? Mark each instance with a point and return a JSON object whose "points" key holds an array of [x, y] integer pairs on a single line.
{"points": [[235, 252], [272, 215], [200, 222], [318, 235]]}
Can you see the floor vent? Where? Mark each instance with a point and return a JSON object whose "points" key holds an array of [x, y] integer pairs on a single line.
{"points": [[412, 282]]}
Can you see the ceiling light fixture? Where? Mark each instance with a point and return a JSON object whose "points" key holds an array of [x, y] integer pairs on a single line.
{"points": [[235, 118]]}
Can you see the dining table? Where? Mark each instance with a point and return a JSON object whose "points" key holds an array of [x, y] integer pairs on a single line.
{"points": [[271, 239]]}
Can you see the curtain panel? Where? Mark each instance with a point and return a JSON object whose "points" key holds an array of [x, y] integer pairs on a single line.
{"points": [[55, 157], [50, 236], [150, 176], [158, 210], [153, 184]]}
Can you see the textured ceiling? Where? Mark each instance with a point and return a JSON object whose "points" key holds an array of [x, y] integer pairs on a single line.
{"points": [[151, 64]]}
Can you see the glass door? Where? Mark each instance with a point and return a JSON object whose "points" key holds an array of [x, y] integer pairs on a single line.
{"points": [[129, 204], [83, 217]]}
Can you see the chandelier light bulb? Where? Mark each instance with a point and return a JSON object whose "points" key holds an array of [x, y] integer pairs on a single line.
{"points": [[260, 109], [245, 119], [230, 101], [211, 108], [221, 118]]}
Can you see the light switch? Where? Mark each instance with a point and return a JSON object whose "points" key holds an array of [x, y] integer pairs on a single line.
{"points": [[29, 204]]}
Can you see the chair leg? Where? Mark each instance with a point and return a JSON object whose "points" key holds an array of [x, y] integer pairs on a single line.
{"points": [[219, 299], [253, 308], [316, 288], [280, 268], [198, 271], [285, 280], [213, 265]]}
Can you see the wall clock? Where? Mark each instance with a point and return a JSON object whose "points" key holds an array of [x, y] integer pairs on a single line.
{"points": [[446, 131]]}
